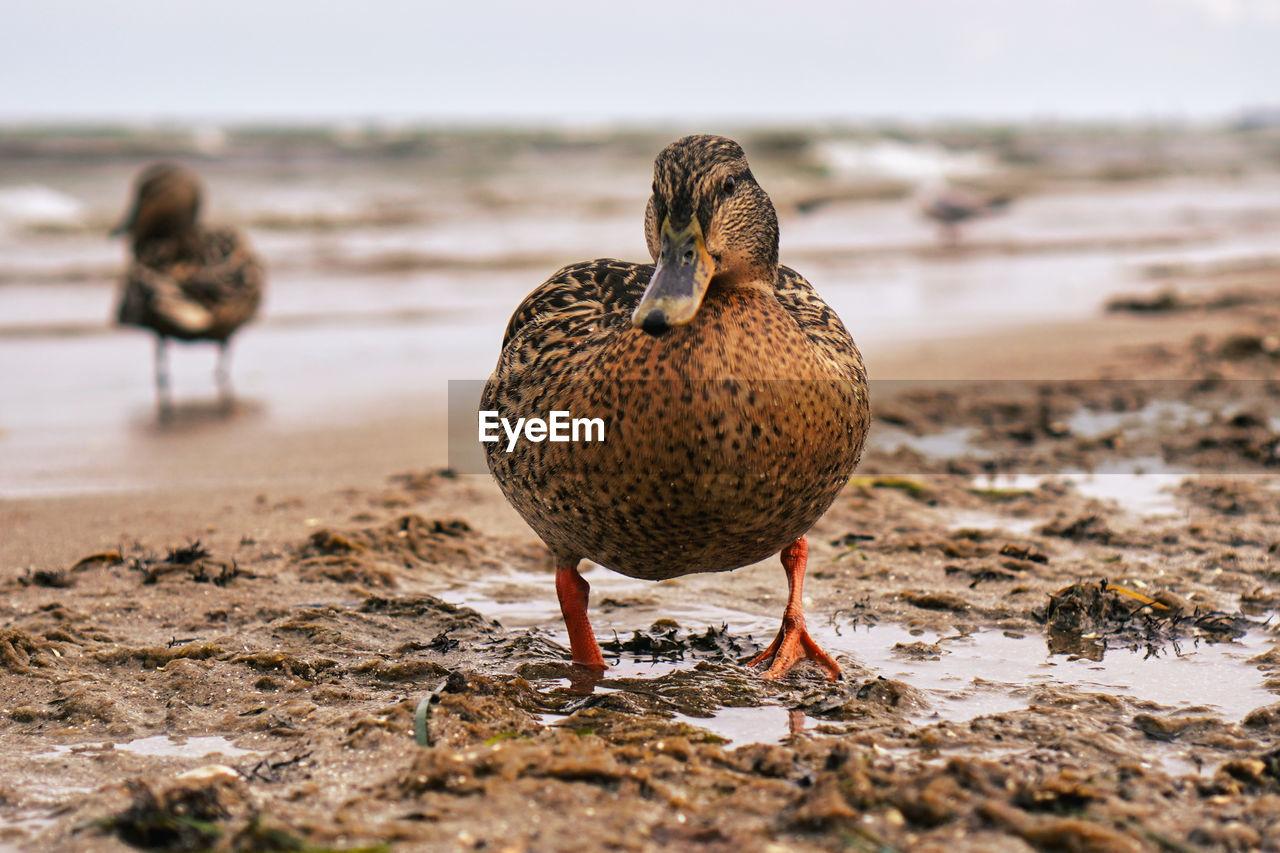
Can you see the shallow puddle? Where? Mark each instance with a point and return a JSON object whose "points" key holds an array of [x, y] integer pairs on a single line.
{"points": [[977, 674], [1157, 415], [741, 726], [158, 745], [989, 672], [980, 520], [192, 747], [947, 444], [1140, 486], [1142, 494]]}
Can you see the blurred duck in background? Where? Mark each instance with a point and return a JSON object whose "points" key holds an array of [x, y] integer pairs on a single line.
{"points": [[185, 282], [952, 206]]}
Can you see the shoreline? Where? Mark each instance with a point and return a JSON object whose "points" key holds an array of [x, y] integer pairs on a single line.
{"points": [[202, 462]]}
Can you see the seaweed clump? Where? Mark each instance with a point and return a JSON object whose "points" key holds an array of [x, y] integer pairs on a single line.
{"points": [[190, 813], [1087, 618], [665, 641]]}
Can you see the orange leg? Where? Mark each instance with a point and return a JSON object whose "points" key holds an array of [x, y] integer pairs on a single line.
{"points": [[793, 642], [572, 591]]}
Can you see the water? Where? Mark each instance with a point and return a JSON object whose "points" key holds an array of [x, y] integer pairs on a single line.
{"points": [[393, 273], [742, 726], [1144, 486], [1156, 415], [38, 811], [192, 747], [979, 520], [989, 672], [977, 674], [943, 444], [1141, 494], [167, 746]]}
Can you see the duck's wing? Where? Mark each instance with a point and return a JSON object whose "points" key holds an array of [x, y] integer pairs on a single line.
{"points": [[579, 299], [819, 322], [206, 286], [152, 298], [226, 270]]}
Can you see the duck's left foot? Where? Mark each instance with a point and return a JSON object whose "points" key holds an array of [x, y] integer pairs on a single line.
{"points": [[793, 643]]}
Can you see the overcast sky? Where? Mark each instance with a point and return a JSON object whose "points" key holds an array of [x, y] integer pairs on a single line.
{"points": [[563, 60]]}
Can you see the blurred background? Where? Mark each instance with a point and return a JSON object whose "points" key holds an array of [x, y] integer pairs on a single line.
{"points": [[409, 171]]}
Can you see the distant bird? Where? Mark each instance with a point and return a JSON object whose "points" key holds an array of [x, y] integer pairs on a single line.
{"points": [[734, 401], [186, 281], [950, 207]]}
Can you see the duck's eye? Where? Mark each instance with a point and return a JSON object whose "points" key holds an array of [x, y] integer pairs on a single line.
{"points": [[729, 186]]}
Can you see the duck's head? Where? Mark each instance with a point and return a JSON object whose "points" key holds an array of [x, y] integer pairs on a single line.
{"points": [[166, 202], [708, 223]]}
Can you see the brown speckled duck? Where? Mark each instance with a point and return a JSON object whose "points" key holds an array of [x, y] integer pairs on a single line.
{"points": [[734, 400], [185, 281]]}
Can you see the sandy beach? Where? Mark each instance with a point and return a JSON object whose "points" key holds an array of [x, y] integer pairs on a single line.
{"points": [[1051, 584], [204, 475]]}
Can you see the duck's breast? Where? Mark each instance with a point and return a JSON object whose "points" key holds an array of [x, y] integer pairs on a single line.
{"points": [[724, 441]]}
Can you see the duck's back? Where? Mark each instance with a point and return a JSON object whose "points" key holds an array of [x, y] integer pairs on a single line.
{"points": [[203, 286], [725, 439]]}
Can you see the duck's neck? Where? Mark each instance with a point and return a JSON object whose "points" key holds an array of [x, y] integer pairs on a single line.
{"points": [[755, 281]]}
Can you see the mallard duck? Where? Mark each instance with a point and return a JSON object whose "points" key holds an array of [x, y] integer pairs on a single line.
{"points": [[185, 281], [950, 207], [733, 399]]}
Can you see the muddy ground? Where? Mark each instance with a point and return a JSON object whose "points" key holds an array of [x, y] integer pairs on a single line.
{"points": [[1033, 659]]}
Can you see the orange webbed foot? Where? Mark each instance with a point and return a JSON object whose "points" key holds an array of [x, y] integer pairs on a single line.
{"points": [[793, 643]]}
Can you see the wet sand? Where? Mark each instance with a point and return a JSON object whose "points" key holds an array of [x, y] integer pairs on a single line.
{"points": [[1051, 584], [259, 690], [200, 476]]}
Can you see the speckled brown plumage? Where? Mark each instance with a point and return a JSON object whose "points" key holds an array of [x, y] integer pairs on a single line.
{"points": [[176, 260], [727, 436], [185, 281], [726, 439]]}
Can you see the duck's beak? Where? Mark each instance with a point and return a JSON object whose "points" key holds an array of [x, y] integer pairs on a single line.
{"points": [[685, 268]]}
